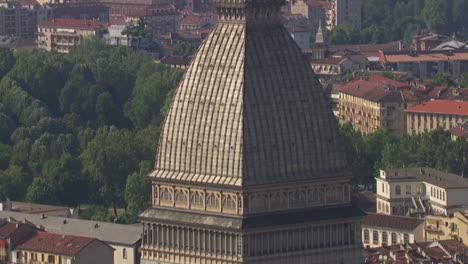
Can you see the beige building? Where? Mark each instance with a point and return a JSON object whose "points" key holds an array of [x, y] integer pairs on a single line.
{"points": [[380, 230], [375, 102], [428, 116], [125, 239], [48, 248], [420, 191], [250, 166], [447, 227], [62, 33]]}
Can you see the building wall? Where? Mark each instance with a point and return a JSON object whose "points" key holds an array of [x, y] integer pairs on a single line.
{"points": [[27, 256], [373, 236], [417, 123], [302, 39], [124, 254], [348, 12], [19, 22], [440, 227], [97, 252], [61, 39]]}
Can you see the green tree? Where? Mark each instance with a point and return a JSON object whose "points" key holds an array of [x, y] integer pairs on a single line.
{"points": [[15, 181], [7, 61], [443, 79], [184, 48], [436, 15], [65, 179], [39, 192], [108, 159], [138, 190], [5, 156], [464, 80]]}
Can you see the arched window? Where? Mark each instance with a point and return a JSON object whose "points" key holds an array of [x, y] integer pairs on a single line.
{"points": [[124, 253], [165, 195], [180, 197], [398, 190], [212, 200], [406, 238], [366, 236], [384, 238], [197, 199], [375, 237], [394, 238], [229, 203]]}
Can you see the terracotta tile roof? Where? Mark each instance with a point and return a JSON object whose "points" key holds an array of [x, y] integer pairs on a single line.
{"points": [[56, 243], [73, 23], [461, 130], [315, 3], [377, 88], [191, 20], [425, 56], [391, 221], [7, 228], [391, 46], [441, 107], [328, 61], [292, 29]]}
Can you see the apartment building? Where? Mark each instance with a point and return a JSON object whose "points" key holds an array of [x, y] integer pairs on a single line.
{"points": [[61, 34], [437, 113], [346, 12], [16, 20], [447, 227], [375, 102], [420, 191], [386, 230]]}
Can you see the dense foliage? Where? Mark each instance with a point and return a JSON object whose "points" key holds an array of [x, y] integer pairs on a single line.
{"points": [[389, 20], [82, 127], [368, 154]]}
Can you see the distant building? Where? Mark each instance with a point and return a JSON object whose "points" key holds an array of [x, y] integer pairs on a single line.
{"points": [[447, 227], [385, 230], [331, 66], [119, 9], [300, 35], [428, 116], [81, 10], [61, 34], [44, 247], [346, 12], [16, 20], [371, 103], [160, 19], [420, 191], [425, 64], [125, 239], [436, 252], [38, 209], [10, 235], [461, 130], [315, 11]]}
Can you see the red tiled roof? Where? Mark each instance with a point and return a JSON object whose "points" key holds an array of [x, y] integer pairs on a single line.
{"points": [[7, 228], [191, 20], [328, 61], [27, 2], [377, 88], [73, 23], [154, 11], [323, 4], [432, 56], [391, 46], [461, 130], [292, 29], [441, 107], [56, 243], [391, 221]]}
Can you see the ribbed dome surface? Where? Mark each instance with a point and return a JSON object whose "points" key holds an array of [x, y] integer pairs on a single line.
{"points": [[249, 111]]}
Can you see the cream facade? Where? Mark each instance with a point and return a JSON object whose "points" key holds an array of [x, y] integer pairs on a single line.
{"points": [[96, 252], [373, 236], [62, 38], [443, 227], [418, 123], [419, 192]]}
